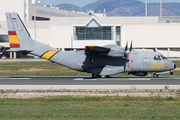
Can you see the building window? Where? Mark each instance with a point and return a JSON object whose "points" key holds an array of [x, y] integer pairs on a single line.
{"points": [[118, 36], [4, 38], [93, 33], [41, 18]]}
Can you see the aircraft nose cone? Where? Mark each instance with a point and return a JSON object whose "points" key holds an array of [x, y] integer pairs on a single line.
{"points": [[174, 66]]}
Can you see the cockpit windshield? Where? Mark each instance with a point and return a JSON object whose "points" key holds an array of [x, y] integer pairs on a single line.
{"points": [[159, 57], [163, 57]]}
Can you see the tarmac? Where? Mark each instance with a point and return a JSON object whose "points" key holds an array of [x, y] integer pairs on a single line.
{"points": [[76, 83]]}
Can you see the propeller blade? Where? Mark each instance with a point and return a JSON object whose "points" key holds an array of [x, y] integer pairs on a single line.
{"points": [[125, 65], [131, 46], [126, 46]]}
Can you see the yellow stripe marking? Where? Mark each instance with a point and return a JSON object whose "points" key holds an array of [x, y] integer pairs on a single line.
{"points": [[13, 39], [49, 54]]}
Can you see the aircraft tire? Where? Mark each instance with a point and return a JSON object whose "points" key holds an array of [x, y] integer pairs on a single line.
{"points": [[155, 75], [107, 76], [104, 76], [95, 76], [100, 76]]}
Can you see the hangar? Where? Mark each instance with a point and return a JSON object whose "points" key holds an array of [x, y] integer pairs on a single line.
{"points": [[68, 30]]}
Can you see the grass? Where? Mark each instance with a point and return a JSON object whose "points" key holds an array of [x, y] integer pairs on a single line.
{"points": [[68, 107], [47, 68], [36, 69]]}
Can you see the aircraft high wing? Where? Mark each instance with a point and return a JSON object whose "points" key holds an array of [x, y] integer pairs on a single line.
{"points": [[108, 50], [101, 61]]}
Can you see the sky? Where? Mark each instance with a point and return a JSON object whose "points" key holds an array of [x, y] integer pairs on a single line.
{"points": [[82, 3]]}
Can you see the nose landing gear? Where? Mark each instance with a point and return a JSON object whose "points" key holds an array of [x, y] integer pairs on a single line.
{"points": [[155, 75]]}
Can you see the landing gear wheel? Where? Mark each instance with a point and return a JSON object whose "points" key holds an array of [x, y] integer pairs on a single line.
{"points": [[95, 76], [155, 75], [104, 76], [107, 76], [171, 73], [100, 76]]}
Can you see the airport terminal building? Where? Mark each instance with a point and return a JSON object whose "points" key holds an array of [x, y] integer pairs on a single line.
{"points": [[68, 30]]}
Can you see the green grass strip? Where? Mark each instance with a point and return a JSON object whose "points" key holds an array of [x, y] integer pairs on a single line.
{"points": [[86, 108]]}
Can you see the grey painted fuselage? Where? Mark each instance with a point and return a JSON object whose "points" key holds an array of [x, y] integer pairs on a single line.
{"points": [[105, 65]]}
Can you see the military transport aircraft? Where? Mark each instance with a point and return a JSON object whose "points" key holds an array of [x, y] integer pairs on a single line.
{"points": [[100, 61]]}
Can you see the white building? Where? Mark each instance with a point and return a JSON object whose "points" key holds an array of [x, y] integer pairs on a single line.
{"points": [[69, 30]]}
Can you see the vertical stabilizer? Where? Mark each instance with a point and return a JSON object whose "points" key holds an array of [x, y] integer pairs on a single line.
{"points": [[19, 37]]}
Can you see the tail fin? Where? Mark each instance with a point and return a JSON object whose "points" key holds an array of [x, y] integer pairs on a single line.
{"points": [[19, 37]]}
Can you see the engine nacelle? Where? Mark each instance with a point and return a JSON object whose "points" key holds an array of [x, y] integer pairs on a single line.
{"points": [[116, 52], [138, 73]]}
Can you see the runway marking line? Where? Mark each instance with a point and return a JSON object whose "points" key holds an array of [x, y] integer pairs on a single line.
{"points": [[80, 79], [19, 78], [139, 78]]}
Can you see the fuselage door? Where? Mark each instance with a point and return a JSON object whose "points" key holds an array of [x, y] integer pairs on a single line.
{"points": [[146, 63]]}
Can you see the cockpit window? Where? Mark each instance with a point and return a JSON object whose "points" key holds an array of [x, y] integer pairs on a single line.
{"points": [[163, 57], [157, 57]]}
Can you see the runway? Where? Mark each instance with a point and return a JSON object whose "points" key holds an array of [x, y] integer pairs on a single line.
{"points": [[89, 83]]}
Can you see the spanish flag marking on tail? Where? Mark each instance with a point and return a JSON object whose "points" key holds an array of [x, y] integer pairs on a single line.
{"points": [[49, 54], [13, 39]]}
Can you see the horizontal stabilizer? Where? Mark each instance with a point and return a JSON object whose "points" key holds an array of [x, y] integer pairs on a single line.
{"points": [[18, 50]]}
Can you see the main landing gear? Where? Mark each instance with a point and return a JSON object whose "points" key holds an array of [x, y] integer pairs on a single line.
{"points": [[100, 76]]}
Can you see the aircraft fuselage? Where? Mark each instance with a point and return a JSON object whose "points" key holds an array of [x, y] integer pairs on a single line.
{"points": [[105, 65]]}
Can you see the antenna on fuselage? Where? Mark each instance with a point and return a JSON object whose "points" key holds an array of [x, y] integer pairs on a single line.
{"points": [[154, 49]]}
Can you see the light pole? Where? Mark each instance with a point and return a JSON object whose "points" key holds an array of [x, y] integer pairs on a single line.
{"points": [[73, 5], [35, 20], [146, 8], [160, 8]]}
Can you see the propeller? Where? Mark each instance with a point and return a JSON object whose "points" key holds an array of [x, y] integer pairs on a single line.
{"points": [[126, 52], [126, 46]]}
